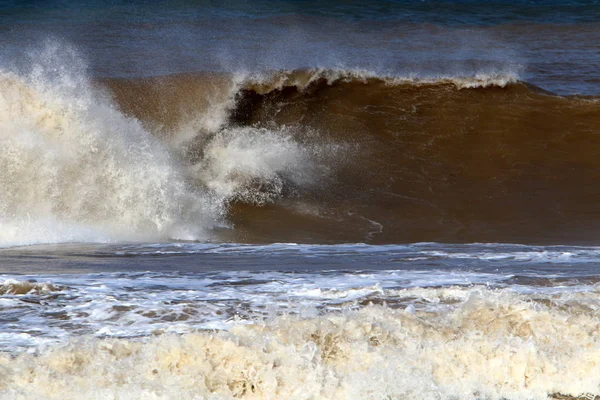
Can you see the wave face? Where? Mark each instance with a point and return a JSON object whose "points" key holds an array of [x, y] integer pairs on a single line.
{"points": [[313, 156], [476, 158]]}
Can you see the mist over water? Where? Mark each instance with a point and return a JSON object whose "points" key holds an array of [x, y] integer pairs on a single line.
{"points": [[551, 44]]}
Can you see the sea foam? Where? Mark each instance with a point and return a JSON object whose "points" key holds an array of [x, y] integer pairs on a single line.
{"points": [[477, 343]]}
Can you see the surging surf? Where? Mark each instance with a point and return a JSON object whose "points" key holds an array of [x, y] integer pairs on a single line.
{"points": [[305, 156]]}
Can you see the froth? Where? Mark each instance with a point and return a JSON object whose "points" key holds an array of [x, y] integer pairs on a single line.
{"points": [[69, 156], [252, 164], [302, 79], [76, 168], [474, 343], [14, 287]]}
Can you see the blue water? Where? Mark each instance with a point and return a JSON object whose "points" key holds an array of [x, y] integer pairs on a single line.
{"points": [[551, 44], [455, 13]]}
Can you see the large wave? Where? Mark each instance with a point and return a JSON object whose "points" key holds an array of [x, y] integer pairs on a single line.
{"points": [[314, 155]]}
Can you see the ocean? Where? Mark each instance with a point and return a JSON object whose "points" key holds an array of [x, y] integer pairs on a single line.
{"points": [[299, 199]]}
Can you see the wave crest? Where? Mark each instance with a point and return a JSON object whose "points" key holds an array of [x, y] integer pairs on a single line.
{"points": [[304, 78]]}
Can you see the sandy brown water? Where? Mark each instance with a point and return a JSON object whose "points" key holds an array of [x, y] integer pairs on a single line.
{"points": [[417, 161]]}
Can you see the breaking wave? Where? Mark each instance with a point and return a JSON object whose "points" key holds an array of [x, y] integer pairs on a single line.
{"points": [[75, 168], [313, 155]]}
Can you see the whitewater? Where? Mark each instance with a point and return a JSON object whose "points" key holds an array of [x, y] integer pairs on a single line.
{"points": [[284, 321]]}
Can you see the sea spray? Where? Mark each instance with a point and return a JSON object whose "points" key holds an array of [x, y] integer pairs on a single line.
{"points": [[70, 157], [75, 167]]}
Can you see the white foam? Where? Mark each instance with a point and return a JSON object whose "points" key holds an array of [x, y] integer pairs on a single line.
{"points": [[252, 164], [303, 78], [76, 169], [483, 344], [138, 304]]}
